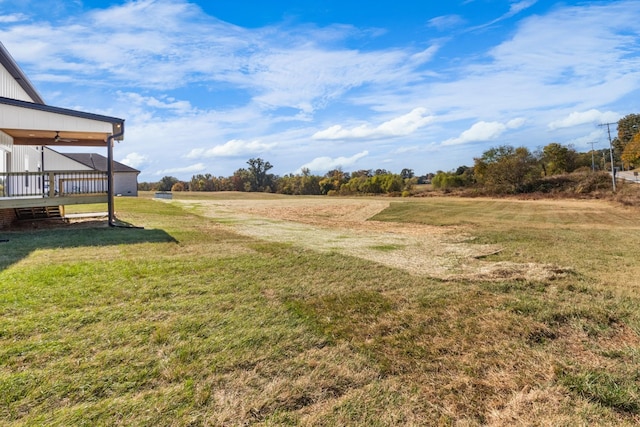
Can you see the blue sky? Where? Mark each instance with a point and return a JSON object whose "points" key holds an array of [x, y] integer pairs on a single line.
{"points": [[206, 85]]}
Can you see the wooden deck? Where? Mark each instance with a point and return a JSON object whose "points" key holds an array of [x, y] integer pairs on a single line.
{"points": [[52, 188], [26, 202]]}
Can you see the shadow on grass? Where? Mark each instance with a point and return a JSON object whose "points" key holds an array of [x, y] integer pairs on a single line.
{"points": [[18, 243]]}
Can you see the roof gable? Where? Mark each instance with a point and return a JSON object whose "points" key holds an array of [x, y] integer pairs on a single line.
{"points": [[18, 75]]}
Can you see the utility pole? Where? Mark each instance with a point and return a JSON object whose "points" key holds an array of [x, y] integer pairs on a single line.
{"points": [[593, 159], [613, 170]]}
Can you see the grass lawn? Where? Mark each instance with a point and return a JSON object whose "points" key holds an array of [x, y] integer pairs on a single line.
{"points": [[186, 323]]}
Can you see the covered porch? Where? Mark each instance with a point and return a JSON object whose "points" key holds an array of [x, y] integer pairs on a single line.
{"points": [[25, 128], [52, 188]]}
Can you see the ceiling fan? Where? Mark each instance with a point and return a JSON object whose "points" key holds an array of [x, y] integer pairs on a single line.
{"points": [[58, 138]]}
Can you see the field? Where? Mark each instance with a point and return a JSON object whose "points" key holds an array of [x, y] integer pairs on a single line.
{"points": [[252, 309]]}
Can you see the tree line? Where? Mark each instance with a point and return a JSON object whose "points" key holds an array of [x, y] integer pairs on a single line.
{"points": [[256, 178], [500, 170], [506, 169]]}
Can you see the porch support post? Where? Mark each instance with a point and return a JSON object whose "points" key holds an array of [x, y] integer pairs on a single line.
{"points": [[110, 200], [52, 184]]}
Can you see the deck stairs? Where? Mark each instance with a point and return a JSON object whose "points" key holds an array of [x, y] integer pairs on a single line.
{"points": [[35, 213]]}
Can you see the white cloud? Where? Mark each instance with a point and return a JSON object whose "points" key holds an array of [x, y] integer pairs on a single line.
{"points": [[400, 126], [597, 136], [425, 56], [579, 118], [11, 18], [308, 77], [446, 22], [135, 160], [514, 9], [519, 6], [407, 149], [325, 164], [198, 167], [156, 13], [162, 102], [516, 123], [165, 45], [233, 148], [484, 131]]}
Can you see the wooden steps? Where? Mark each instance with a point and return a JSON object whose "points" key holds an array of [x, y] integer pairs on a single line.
{"points": [[37, 213]]}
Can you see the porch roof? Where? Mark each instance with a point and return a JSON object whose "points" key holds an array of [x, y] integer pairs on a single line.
{"points": [[31, 123]]}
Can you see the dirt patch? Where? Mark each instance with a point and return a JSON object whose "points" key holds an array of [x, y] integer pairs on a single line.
{"points": [[342, 225]]}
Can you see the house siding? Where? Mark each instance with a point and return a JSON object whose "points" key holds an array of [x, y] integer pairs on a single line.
{"points": [[6, 142], [54, 161], [125, 183], [7, 216], [10, 88], [25, 158], [5, 158]]}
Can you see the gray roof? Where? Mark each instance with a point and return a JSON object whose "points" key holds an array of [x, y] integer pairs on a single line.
{"points": [[98, 162]]}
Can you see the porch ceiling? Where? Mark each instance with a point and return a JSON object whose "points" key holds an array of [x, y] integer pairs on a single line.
{"points": [[65, 138]]}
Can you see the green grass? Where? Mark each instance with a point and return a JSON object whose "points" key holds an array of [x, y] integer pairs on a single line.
{"points": [[596, 238], [610, 390], [386, 248], [187, 323]]}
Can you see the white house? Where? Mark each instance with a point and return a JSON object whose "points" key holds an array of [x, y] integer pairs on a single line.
{"points": [[27, 127]]}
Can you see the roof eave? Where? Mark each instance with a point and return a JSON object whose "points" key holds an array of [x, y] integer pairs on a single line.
{"points": [[118, 124]]}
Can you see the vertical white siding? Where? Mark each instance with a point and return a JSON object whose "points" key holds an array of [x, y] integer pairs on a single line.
{"points": [[6, 146], [6, 142], [26, 159], [9, 87], [54, 161]]}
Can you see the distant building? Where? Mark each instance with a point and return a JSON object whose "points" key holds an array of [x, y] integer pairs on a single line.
{"points": [[125, 178]]}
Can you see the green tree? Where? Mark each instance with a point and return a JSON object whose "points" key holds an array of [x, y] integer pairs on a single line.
{"points": [[333, 181], [361, 172], [506, 169], [201, 182], [558, 159], [166, 183], [628, 127], [241, 180], [147, 186], [407, 173], [304, 184], [260, 180], [448, 180]]}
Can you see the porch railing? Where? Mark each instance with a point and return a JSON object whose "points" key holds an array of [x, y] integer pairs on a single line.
{"points": [[52, 183]]}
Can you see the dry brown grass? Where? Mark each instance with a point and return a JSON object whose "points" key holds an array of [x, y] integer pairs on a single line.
{"points": [[344, 225], [260, 314], [481, 358]]}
